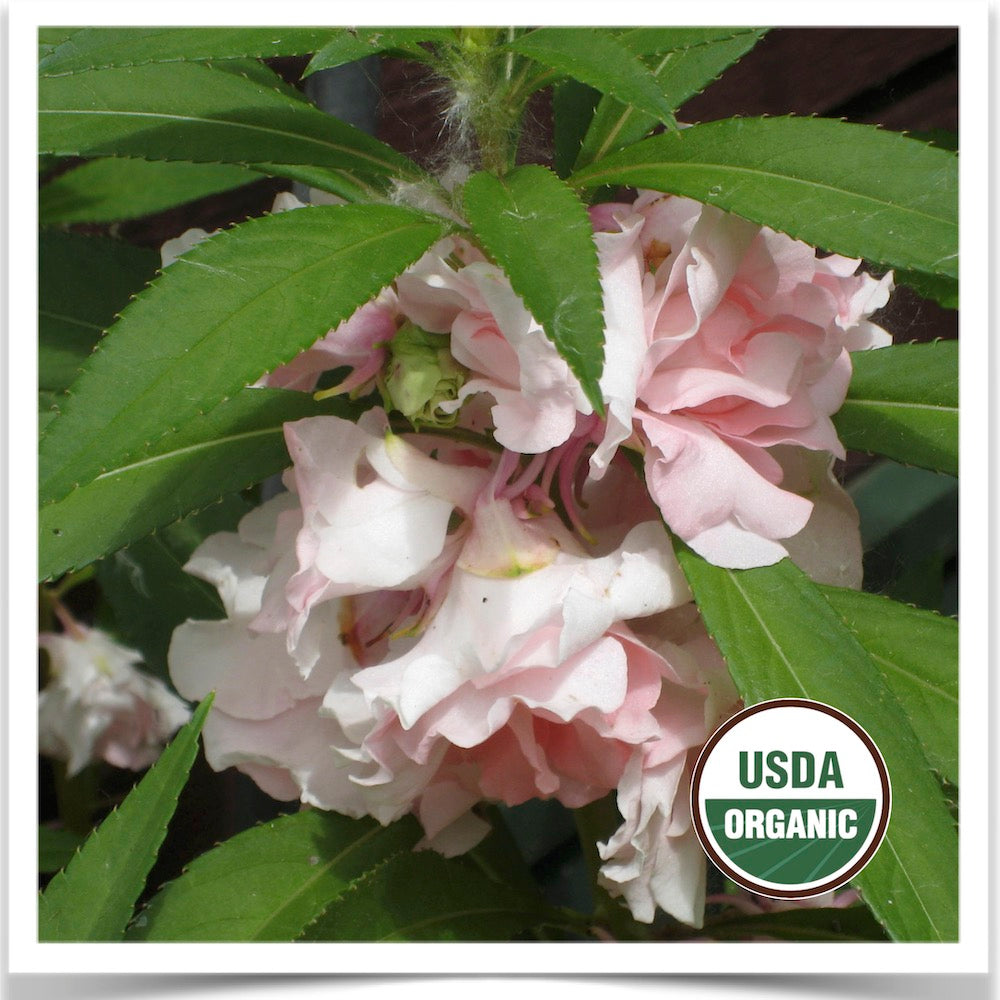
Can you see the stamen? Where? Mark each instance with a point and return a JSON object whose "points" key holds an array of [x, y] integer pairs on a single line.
{"points": [[504, 470], [567, 485], [551, 464], [525, 479]]}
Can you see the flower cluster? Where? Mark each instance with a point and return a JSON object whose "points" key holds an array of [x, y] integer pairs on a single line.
{"points": [[490, 609]]}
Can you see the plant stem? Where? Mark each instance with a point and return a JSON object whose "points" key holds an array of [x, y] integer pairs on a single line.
{"points": [[481, 71]]}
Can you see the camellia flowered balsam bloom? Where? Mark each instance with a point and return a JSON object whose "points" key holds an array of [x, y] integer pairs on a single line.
{"points": [[425, 621]]}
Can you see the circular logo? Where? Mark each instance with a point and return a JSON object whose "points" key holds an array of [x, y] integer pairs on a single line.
{"points": [[790, 798]]}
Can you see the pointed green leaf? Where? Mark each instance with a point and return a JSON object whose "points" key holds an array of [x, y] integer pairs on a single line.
{"points": [[943, 138], [99, 48], [50, 39], [539, 233], [269, 882], [115, 189], [903, 402], [891, 497], [339, 182], [148, 590], [498, 855], [350, 44], [884, 197], [193, 111], [232, 308], [686, 61], [56, 848], [782, 639], [598, 58], [83, 282], [942, 290], [650, 41], [573, 106], [424, 897], [909, 532], [47, 409], [917, 654], [232, 446], [93, 897]]}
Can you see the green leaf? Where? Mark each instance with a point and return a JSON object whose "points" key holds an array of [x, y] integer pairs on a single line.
{"points": [[48, 409], [782, 639], [350, 44], [903, 402], [539, 233], [498, 855], [424, 897], [850, 923], [883, 196], [598, 58], [890, 497], [941, 137], [942, 290], [338, 182], [93, 897], [50, 39], [232, 308], [230, 447], [687, 60], [917, 654], [98, 48], [150, 593], [909, 531], [656, 41], [205, 114], [113, 189], [269, 882], [56, 848], [573, 106], [83, 282]]}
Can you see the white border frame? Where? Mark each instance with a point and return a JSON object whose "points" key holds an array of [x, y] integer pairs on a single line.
{"points": [[27, 955]]}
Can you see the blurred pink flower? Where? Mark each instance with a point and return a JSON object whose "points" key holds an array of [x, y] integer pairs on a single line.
{"points": [[98, 706]]}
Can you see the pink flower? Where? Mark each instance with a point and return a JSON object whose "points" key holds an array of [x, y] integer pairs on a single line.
{"points": [[499, 665], [744, 346], [654, 859], [568, 723], [357, 343], [265, 719], [98, 706], [372, 514], [536, 396]]}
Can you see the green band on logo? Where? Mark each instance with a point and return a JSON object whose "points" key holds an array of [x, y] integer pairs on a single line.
{"points": [[790, 841]]}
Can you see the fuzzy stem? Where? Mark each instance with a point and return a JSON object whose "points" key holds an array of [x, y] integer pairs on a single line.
{"points": [[481, 72]]}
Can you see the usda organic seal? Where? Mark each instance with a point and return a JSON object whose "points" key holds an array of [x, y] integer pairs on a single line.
{"points": [[790, 798]]}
